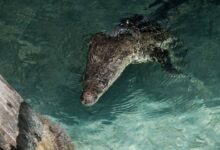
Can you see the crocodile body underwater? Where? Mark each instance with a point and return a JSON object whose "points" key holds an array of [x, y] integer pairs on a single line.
{"points": [[133, 41]]}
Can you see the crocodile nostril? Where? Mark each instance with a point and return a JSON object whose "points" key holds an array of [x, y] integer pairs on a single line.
{"points": [[87, 98]]}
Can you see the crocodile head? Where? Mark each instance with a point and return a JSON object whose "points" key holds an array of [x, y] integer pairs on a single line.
{"points": [[107, 58]]}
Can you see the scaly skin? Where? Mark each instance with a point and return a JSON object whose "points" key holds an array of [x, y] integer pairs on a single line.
{"points": [[109, 55]]}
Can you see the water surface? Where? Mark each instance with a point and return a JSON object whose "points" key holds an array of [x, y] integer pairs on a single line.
{"points": [[43, 48]]}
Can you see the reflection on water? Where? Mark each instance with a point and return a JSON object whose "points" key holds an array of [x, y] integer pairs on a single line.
{"points": [[43, 46]]}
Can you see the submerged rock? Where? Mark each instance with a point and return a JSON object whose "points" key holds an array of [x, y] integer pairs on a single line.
{"points": [[22, 129], [134, 40]]}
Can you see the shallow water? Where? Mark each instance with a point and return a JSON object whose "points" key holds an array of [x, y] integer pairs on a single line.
{"points": [[43, 47]]}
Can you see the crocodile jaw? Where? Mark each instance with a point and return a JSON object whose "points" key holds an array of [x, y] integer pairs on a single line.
{"points": [[119, 71]]}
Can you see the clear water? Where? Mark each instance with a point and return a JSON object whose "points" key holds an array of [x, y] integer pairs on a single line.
{"points": [[43, 53]]}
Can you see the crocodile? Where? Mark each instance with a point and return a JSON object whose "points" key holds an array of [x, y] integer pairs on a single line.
{"points": [[134, 40]]}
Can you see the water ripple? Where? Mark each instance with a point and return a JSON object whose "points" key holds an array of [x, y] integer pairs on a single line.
{"points": [[43, 53]]}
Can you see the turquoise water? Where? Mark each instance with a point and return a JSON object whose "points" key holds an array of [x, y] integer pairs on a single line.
{"points": [[43, 47]]}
